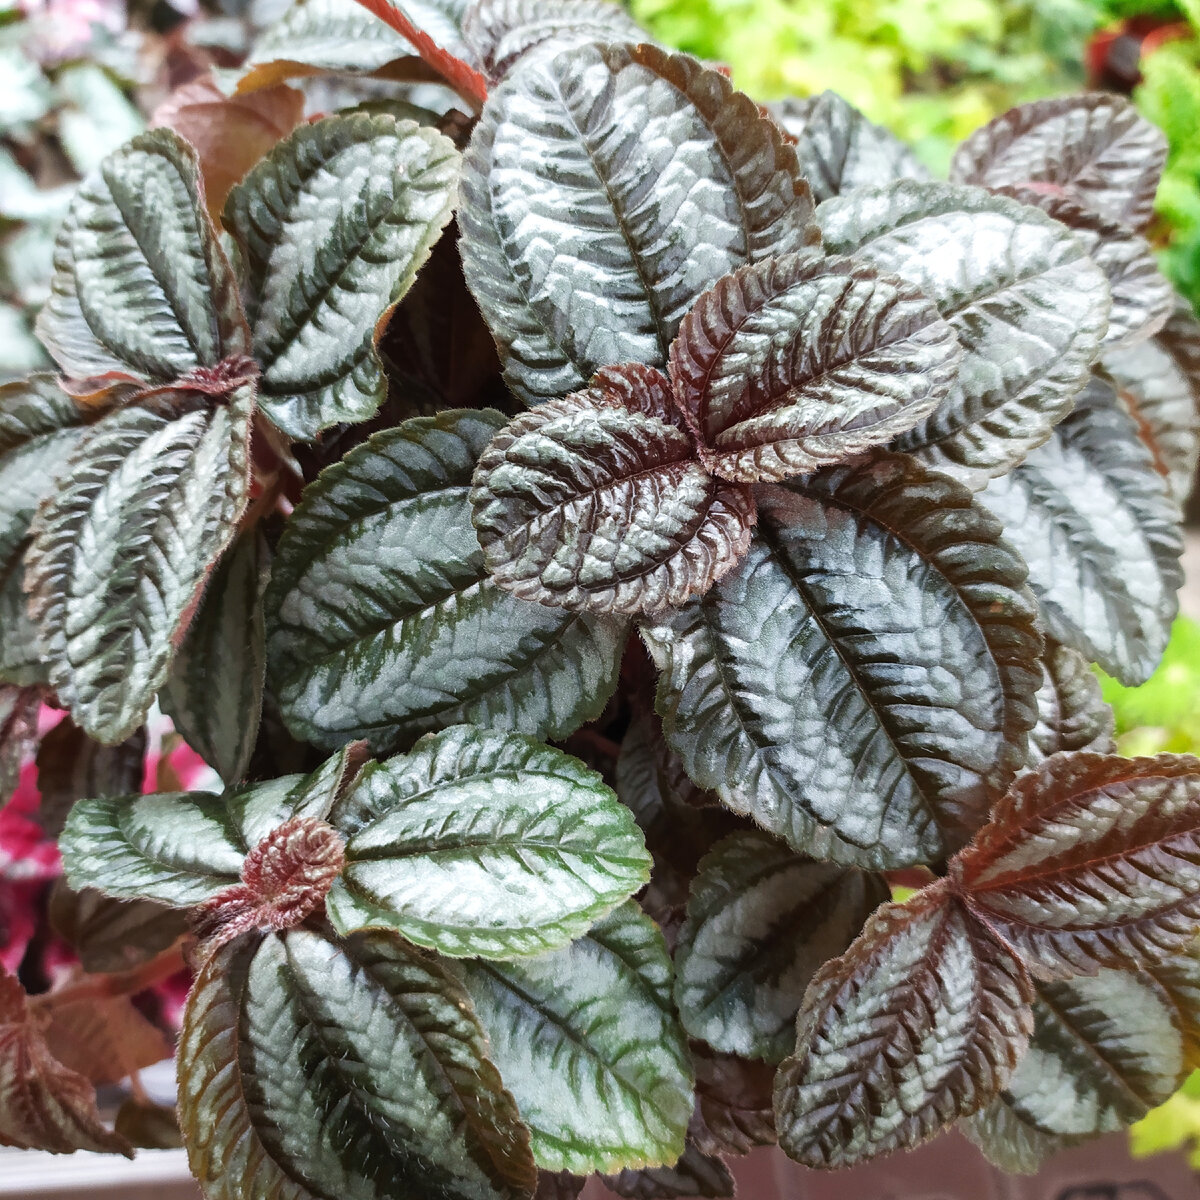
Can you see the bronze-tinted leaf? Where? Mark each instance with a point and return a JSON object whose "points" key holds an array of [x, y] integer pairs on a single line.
{"points": [[695, 1173], [840, 150], [1178, 979], [606, 187], [802, 361], [1095, 148], [597, 502], [18, 733], [72, 766], [109, 934], [148, 1126], [734, 1102], [921, 1021], [559, 1185], [1072, 714], [1092, 860], [104, 1040], [1159, 383]]}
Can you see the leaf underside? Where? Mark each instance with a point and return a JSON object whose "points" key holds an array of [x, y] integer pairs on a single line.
{"points": [[1072, 714]]}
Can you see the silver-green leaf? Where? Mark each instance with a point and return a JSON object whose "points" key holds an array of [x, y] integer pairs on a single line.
{"points": [[587, 1041], [483, 844], [382, 622], [333, 226]]}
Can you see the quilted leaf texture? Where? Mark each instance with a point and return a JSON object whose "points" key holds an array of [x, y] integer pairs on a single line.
{"points": [[333, 226], [598, 502], [382, 622], [605, 188], [840, 150], [1091, 861], [923, 1020], [587, 1040], [151, 498], [862, 685], [1093, 520], [761, 922], [485, 844], [1072, 714], [803, 362], [397, 1094], [1027, 303], [1095, 148], [141, 285]]}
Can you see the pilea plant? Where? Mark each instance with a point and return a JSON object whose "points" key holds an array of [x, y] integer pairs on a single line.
{"points": [[871, 465]]}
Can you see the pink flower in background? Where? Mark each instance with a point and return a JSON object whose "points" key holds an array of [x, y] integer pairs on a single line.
{"points": [[64, 29]]}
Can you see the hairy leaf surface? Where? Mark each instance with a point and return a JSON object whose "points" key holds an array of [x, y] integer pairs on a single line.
{"points": [[1158, 381], [383, 623], [587, 1041], [1095, 148], [863, 684], [922, 1020], [501, 32], [119, 555], [113, 935], [597, 502], [1072, 714], [333, 226], [395, 1093], [215, 689], [840, 150], [1092, 518], [486, 844], [1027, 303], [734, 1102], [141, 285], [802, 362], [1091, 861], [604, 189], [761, 922]]}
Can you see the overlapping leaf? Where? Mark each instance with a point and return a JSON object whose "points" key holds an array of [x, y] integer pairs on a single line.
{"points": [[922, 1021], [597, 502], [1092, 518], [21, 660], [119, 554], [1104, 1051], [1095, 148], [587, 1041], [604, 189], [113, 935], [840, 150], [141, 285], [1027, 303], [501, 32], [183, 848], [72, 766], [863, 684], [801, 362], [1142, 296], [1072, 714], [383, 623], [485, 844], [215, 689], [333, 225], [696, 1173], [395, 1095], [1091, 861], [1158, 381], [734, 1102], [761, 922], [19, 707]]}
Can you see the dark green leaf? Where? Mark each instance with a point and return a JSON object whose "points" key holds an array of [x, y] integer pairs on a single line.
{"points": [[604, 189], [1096, 148], [840, 150], [215, 689], [761, 922], [1091, 861], [587, 1040], [1027, 303], [152, 496], [597, 502], [382, 622], [802, 362], [923, 1020], [141, 285], [314, 1068], [1072, 714], [21, 656], [1092, 518], [863, 684], [481, 843], [113, 935], [333, 226]]}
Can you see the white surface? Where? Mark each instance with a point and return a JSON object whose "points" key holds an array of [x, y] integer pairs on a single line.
{"points": [[29, 1173]]}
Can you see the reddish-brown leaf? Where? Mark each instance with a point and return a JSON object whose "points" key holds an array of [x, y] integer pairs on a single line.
{"points": [[733, 1102], [103, 1040], [921, 1021], [1091, 861]]}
